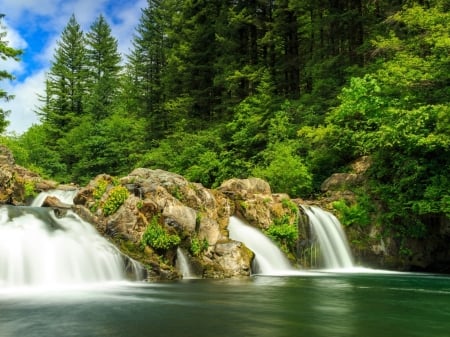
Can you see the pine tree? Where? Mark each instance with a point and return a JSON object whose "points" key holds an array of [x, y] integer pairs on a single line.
{"points": [[145, 70], [103, 61], [5, 53], [65, 84]]}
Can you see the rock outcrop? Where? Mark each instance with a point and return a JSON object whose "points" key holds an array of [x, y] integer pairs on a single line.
{"points": [[17, 184], [148, 214], [186, 210]]}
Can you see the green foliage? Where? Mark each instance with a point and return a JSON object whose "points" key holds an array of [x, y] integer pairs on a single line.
{"points": [[103, 60], [116, 197], [30, 188], [156, 237], [195, 156], [352, 215], [278, 90], [6, 53], [284, 170], [284, 229], [284, 233], [100, 189], [198, 246]]}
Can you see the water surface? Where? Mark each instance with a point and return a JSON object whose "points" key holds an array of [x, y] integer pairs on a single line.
{"points": [[328, 305]]}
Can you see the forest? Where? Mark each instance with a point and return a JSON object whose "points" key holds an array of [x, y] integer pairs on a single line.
{"points": [[289, 91]]}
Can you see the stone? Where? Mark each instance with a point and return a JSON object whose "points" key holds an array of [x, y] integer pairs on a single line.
{"points": [[54, 202], [341, 181], [182, 215]]}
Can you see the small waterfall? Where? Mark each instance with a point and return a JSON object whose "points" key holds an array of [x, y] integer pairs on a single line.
{"points": [[183, 265], [39, 249], [327, 231], [65, 196], [269, 259]]}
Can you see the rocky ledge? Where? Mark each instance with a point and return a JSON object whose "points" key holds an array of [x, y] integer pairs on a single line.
{"points": [[149, 214]]}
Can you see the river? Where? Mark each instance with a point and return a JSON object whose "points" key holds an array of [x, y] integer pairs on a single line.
{"points": [[316, 305]]}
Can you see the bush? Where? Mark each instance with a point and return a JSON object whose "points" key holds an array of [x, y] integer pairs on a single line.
{"points": [[352, 215], [285, 170], [198, 246], [284, 233], [156, 237], [116, 198]]}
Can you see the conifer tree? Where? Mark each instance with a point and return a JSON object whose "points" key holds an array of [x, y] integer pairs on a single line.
{"points": [[103, 62], [6, 52], [145, 69], [66, 83]]}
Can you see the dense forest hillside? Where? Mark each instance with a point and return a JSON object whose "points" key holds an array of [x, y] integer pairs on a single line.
{"points": [[289, 91]]}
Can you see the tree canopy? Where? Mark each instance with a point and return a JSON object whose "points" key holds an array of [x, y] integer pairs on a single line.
{"points": [[6, 52], [290, 91]]}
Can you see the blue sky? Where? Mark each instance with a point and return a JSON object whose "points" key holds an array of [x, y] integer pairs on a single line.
{"points": [[35, 27]]}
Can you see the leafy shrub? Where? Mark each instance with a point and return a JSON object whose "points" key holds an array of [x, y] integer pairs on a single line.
{"points": [[285, 170], [116, 198], [284, 233], [155, 236], [100, 189], [198, 246], [351, 215]]}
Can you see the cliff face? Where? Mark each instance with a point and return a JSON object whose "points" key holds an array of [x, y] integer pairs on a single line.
{"points": [[373, 243]]}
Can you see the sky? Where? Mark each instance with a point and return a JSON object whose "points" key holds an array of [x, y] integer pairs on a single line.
{"points": [[35, 27]]}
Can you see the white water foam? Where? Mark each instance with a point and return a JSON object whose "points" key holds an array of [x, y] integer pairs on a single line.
{"points": [[65, 196], [269, 259], [333, 243], [183, 265], [37, 249]]}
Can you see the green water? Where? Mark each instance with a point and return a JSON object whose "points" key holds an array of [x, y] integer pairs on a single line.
{"points": [[328, 305]]}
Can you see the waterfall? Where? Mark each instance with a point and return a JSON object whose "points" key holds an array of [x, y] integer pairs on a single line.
{"points": [[39, 249], [327, 231], [65, 196], [269, 259], [183, 265]]}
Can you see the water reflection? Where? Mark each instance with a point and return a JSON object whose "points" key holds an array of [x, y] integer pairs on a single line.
{"points": [[318, 306]]}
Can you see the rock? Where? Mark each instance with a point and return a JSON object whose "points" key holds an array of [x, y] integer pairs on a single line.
{"points": [[182, 208], [6, 156], [341, 181], [183, 216], [54, 202], [233, 258], [245, 187], [344, 181]]}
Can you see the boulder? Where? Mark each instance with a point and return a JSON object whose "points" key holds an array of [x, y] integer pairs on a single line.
{"points": [[54, 202]]}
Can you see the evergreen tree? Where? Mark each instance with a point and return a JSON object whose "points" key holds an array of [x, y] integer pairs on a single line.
{"points": [[5, 53], [65, 84], [103, 62], [145, 70]]}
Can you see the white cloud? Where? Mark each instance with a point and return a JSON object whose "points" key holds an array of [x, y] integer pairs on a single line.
{"points": [[16, 8], [25, 103], [45, 19], [14, 40], [124, 24]]}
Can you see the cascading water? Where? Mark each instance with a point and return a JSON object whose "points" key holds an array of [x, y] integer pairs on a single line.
{"points": [[39, 249], [183, 265], [327, 230], [65, 196], [269, 259]]}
